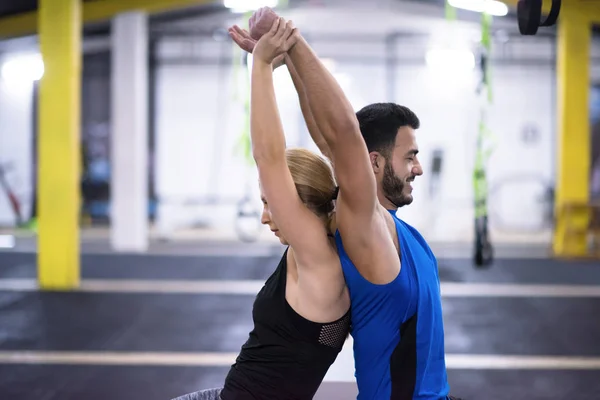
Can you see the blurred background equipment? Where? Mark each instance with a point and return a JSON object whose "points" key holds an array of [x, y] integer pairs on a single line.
{"points": [[8, 190], [529, 13]]}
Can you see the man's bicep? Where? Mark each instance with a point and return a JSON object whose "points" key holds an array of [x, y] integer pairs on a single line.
{"points": [[369, 244], [354, 175]]}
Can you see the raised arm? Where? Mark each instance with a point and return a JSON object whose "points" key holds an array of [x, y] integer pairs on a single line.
{"points": [[311, 124], [339, 127], [301, 228], [365, 226], [246, 42]]}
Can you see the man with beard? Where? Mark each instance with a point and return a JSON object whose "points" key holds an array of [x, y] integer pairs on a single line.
{"points": [[388, 130], [390, 271]]}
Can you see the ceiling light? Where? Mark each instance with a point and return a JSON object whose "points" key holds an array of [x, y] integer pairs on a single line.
{"points": [[241, 6], [492, 7], [23, 68]]}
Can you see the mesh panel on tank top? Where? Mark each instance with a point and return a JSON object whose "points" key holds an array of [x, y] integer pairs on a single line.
{"points": [[334, 334]]}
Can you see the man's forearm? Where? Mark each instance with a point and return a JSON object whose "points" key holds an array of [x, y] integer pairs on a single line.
{"points": [[311, 124], [331, 109]]}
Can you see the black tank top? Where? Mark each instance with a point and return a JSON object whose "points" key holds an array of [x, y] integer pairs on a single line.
{"points": [[286, 356]]}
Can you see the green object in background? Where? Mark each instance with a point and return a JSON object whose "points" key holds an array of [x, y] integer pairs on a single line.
{"points": [[484, 134], [486, 42], [483, 148], [483, 248], [32, 225], [450, 12], [242, 93], [482, 155]]}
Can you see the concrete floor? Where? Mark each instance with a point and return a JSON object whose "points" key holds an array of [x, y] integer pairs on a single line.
{"points": [[159, 325]]}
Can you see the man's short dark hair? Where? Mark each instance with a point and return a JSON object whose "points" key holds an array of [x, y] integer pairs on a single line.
{"points": [[379, 124]]}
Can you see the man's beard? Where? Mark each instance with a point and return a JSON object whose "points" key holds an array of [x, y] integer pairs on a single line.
{"points": [[393, 187]]}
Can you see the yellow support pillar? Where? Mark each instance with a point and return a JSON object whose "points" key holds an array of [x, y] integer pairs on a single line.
{"points": [[59, 144], [573, 158]]}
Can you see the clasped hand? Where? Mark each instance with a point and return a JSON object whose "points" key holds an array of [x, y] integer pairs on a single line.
{"points": [[276, 42], [272, 46]]}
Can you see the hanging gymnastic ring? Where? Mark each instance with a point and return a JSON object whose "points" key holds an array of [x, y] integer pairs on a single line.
{"points": [[529, 13], [554, 13]]}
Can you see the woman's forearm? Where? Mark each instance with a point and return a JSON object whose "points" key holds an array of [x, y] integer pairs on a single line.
{"points": [[266, 130]]}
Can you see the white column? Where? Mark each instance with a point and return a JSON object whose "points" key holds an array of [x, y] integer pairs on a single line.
{"points": [[129, 135]]}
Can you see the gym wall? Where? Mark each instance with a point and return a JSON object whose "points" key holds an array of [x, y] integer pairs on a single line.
{"points": [[196, 105], [198, 117]]}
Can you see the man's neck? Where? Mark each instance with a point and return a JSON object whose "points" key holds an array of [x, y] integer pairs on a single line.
{"points": [[386, 203]]}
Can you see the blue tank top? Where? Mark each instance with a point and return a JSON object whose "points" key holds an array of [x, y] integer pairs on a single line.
{"points": [[397, 327]]}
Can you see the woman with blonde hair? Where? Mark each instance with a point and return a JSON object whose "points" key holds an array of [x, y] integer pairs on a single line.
{"points": [[302, 314]]}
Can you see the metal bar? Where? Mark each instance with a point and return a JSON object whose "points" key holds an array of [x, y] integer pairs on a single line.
{"points": [[95, 11]]}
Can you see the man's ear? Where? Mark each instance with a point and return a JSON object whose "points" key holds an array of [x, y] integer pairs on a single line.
{"points": [[376, 161]]}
